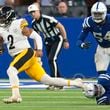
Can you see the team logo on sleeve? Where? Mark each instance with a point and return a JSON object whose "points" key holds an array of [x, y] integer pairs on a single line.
{"points": [[24, 23]]}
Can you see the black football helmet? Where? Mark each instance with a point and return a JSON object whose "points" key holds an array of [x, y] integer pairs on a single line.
{"points": [[7, 15]]}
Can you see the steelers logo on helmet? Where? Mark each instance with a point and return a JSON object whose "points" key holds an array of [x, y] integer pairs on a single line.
{"points": [[7, 15], [99, 12]]}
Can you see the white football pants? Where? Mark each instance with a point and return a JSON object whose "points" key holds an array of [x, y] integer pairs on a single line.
{"points": [[102, 58]]}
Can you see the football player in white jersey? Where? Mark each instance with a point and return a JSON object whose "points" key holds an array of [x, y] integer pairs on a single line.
{"points": [[14, 33]]}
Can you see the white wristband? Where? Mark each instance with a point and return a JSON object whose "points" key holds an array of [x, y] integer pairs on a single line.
{"points": [[82, 45]]}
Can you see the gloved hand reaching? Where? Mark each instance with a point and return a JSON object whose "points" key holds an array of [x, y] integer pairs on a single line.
{"points": [[85, 45]]}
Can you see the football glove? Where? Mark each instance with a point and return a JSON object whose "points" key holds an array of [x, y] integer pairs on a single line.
{"points": [[85, 45]]}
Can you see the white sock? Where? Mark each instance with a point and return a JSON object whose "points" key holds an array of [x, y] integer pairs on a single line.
{"points": [[14, 80], [46, 79], [15, 92]]}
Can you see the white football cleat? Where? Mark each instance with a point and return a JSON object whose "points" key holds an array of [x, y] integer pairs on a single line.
{"points": [[78, 82], [12, 100], [52, 88]]}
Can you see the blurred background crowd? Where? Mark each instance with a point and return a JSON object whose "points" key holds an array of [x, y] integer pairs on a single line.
{"points": [[56, 8]]}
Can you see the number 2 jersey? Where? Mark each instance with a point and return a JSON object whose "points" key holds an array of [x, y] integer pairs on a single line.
{"points": [[14, 39], [101, 31]]}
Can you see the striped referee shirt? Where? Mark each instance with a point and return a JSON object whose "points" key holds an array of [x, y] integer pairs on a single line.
{"points": [[46, 25]]}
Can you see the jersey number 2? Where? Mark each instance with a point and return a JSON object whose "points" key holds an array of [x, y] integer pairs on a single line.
{"points": [[11, 39]]}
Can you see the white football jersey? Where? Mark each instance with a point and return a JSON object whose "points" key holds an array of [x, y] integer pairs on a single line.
{"points": [[13, 37]]}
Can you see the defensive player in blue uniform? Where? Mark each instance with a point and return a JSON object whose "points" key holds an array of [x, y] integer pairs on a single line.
{"points": [[104, 80], [99, 90], [99, 25]]}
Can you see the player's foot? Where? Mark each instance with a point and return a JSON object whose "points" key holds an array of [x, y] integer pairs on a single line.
{"points": [[58, 87], [12, 100], [52, 88], [78, 82]]}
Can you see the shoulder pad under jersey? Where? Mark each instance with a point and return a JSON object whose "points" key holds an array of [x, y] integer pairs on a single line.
{"points": [[86, 23]]}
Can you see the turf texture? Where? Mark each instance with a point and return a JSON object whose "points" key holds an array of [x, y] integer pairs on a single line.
{"points": [[41, 99]]}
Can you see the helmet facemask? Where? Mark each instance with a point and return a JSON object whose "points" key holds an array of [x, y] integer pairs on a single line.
{"points": [[7, 15], [98, 17]]}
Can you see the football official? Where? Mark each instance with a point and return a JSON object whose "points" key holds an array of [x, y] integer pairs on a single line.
{"points": [[54, 36]]}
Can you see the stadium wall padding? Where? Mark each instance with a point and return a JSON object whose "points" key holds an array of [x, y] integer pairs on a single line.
{"points": [[73, 62]]}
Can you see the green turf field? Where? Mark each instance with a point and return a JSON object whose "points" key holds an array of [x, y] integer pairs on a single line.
{"points": [[34, 99]]}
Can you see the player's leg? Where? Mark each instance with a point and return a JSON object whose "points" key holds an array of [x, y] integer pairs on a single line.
{"points": [[101, 60], [20, 63], [14, 82], [38, 73], [46, 79]]}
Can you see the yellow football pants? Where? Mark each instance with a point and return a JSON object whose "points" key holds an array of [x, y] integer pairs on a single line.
{"points": [[26, 61]]}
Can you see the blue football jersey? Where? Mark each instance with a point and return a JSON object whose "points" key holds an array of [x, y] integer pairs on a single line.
{"points": [[101, 31], [104, 80]]}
